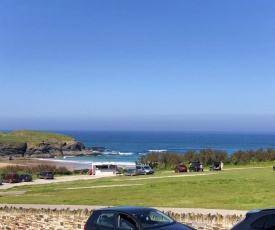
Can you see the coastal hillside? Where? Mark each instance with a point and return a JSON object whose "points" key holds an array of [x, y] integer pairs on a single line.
{"points": [[37, 144]]}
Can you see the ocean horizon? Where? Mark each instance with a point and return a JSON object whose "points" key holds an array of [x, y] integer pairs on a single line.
{"points": [[128, 146]]}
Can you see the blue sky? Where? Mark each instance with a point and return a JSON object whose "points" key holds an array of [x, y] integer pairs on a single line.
{"points": [[137, 65]]}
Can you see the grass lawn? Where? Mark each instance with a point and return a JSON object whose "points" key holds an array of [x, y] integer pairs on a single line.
{"points": [[234, 188]]}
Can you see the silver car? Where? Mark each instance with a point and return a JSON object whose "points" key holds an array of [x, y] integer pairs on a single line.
{"points": [[144, 169]]}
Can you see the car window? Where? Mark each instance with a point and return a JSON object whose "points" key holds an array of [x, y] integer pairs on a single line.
{"points": [[106, 219], [259, 223], [153, 218], [125, 222], [270, 222]]}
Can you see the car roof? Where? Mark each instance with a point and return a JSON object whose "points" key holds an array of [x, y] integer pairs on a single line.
{"points": [[263, 210], [128, 209], [260, 210]]}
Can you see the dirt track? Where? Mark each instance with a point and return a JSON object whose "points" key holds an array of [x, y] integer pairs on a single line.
{"points": [[55, 180]]}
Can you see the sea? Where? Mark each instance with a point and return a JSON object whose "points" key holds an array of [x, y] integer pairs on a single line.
{"points": [[126, 147]]}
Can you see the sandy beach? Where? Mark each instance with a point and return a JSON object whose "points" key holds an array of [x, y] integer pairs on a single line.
{"points": [[34, 162]]}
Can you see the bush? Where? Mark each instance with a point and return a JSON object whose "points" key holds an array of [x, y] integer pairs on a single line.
{"points": [[168, 160], [81, 171], [34, 170]]}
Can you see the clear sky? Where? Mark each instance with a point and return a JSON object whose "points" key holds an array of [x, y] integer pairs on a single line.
{"points": [[137, 65]]}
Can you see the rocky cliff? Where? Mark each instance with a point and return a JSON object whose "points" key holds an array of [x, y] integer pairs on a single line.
{"points": [[34, 144]]}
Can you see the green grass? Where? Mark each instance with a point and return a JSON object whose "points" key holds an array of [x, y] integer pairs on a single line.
{"points": [[30, 136], [240, 189]]}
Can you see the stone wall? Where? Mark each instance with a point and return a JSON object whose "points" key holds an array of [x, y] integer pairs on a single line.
{"points": [[66, 219]]}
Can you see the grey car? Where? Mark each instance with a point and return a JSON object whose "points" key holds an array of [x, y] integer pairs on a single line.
{"points": [[144, 169], [263, 219]]}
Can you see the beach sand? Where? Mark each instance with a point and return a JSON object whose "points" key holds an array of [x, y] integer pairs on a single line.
{"points": [[34, 162]]}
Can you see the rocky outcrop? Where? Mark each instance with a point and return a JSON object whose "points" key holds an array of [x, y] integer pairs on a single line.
{"points": [[37, 144], [12, 149], [42, 150]]}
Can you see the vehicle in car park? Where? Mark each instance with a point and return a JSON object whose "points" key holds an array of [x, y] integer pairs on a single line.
{"points": [[25, 177], [130, 172], [274, 167], [11, 178], [45, 175], [215, 166], [144, 169], [181, 168], [263, 219], [132, 217], [196, 166], [1, 182]]}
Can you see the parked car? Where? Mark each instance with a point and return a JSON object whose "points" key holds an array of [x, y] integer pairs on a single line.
{"points": [[132, 217], [25, 177], [257, 219], [144, 169], [196, 166], [11, 178], [130, 172], [1, 182], [274, 167], [180, 168], [215, 166], [45, 175]]}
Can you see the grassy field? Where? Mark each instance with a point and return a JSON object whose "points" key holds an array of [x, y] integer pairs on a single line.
{"points": [[234, 188], [21, 136]]}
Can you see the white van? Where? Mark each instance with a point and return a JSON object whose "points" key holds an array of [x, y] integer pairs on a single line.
{"points": [[144, 169]]}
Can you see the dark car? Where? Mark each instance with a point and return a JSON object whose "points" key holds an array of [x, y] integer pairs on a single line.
{"points": [[196, 166], [130, 172], [11, 178], [132, 217], [215, 166], [274, 167], [180, 168], [25, 177], [257, 219], [45, 175]]}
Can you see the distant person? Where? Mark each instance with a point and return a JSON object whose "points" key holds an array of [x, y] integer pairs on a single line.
{"points": [[221, 165], [201, 168]]}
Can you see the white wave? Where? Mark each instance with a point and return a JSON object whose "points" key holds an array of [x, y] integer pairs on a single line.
{"points": [[157, 150], [109, 152], [123, 153]]}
